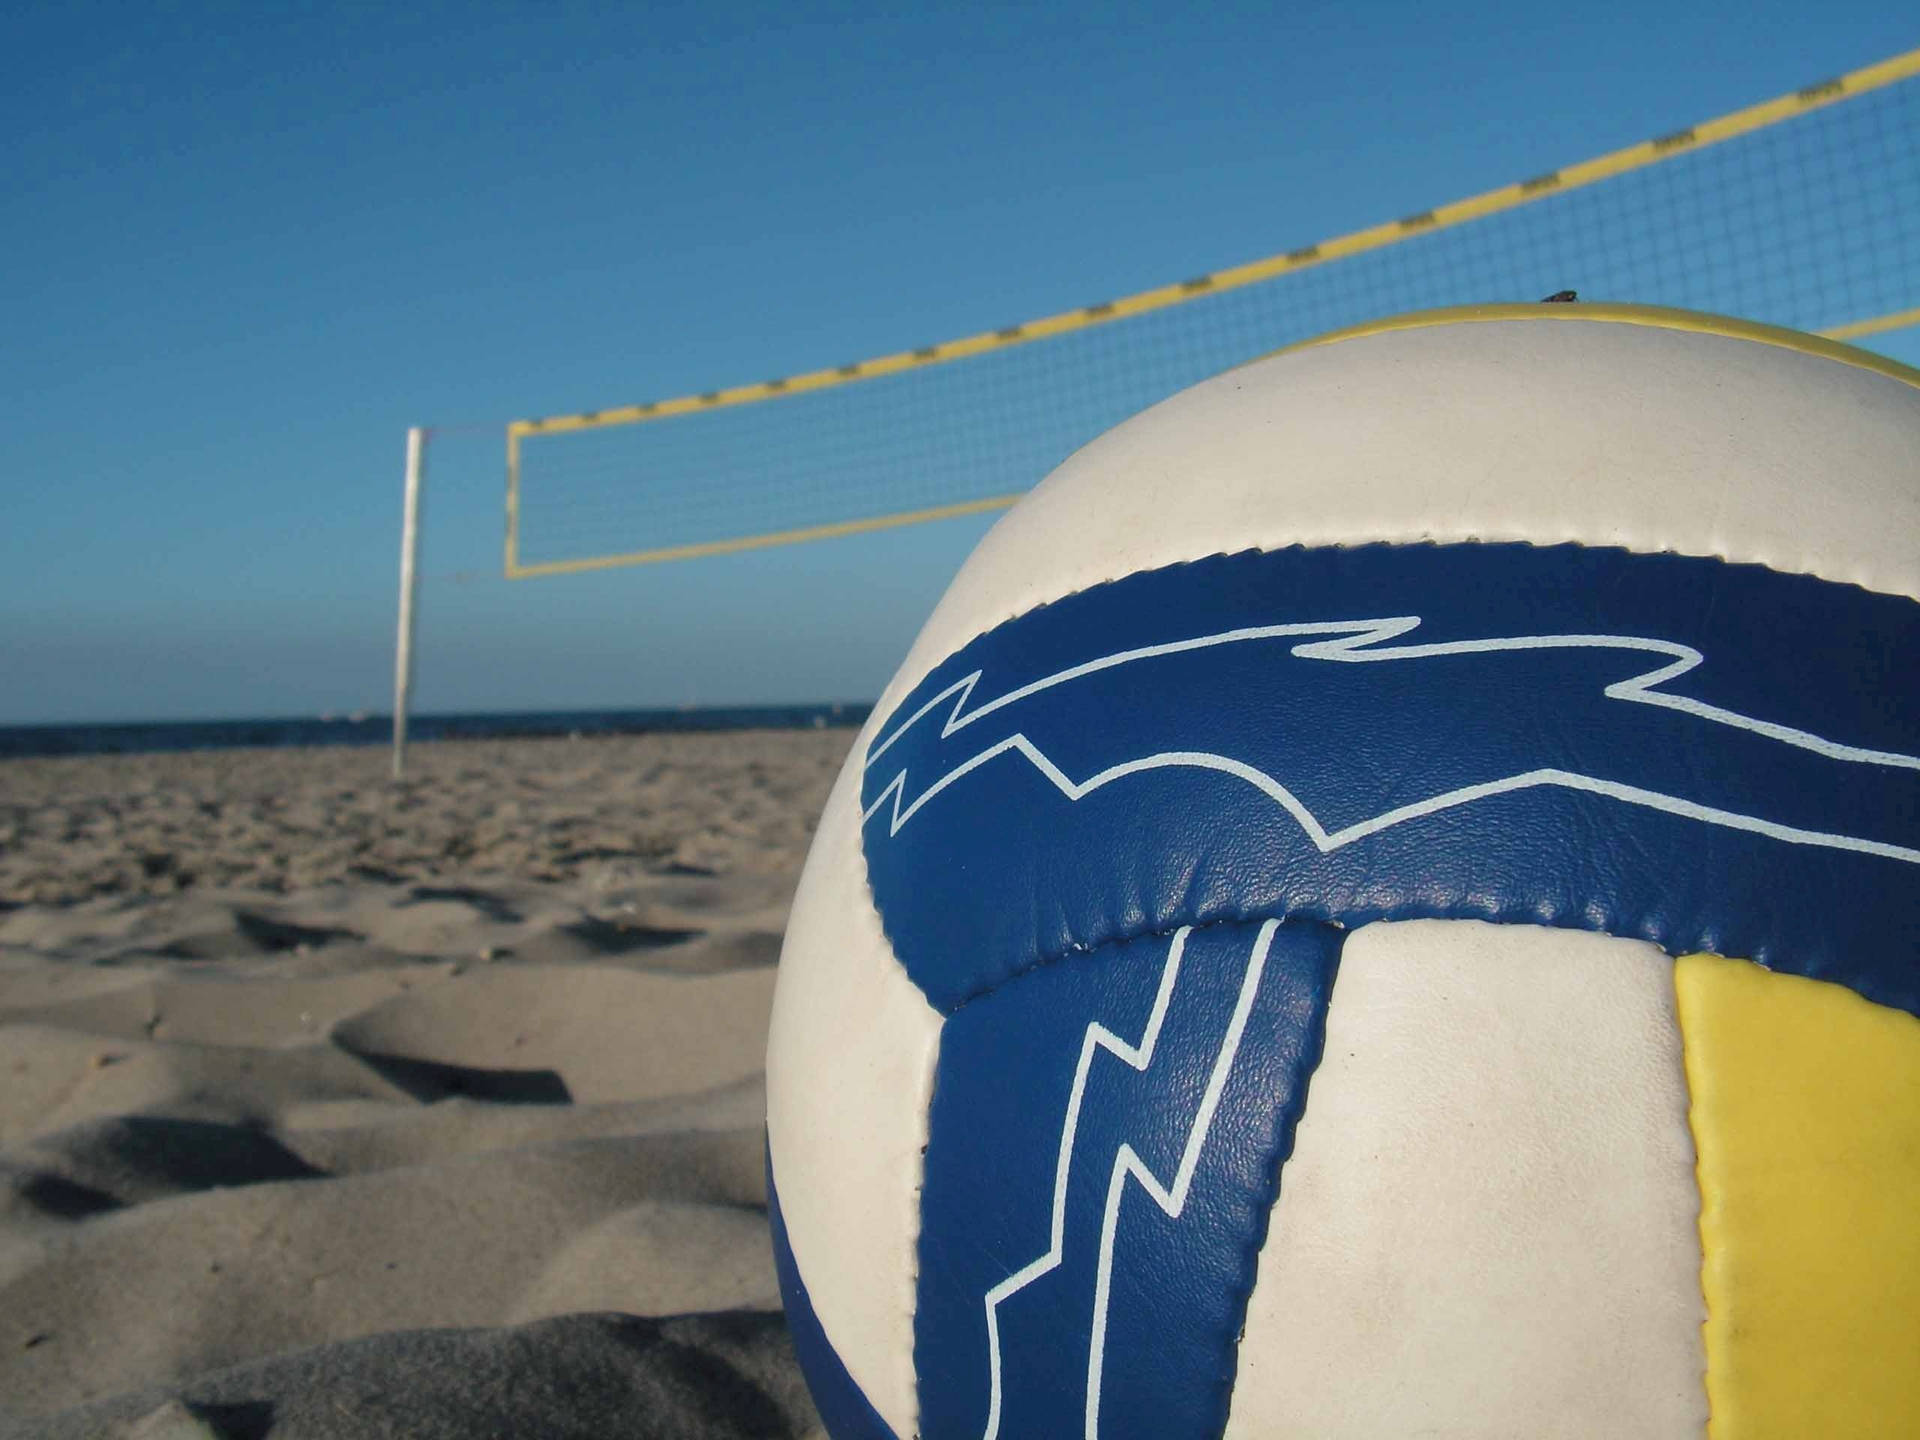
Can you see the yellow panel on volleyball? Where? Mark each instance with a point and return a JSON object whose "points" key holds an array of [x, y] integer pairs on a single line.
{"points": [[1806, 1117]]}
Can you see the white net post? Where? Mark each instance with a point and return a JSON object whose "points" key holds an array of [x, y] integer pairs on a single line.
{"points": [[409, 553]]}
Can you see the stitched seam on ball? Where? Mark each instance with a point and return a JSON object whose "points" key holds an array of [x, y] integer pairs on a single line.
{"points": [[1671, 938], [1269, 1199], [1120, 941], [924, 1110]]}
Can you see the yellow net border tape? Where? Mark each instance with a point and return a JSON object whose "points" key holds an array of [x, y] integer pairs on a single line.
{"points": [[1571, 177]]}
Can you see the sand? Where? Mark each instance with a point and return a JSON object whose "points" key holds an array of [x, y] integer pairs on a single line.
{"points": [[332, 1107]]}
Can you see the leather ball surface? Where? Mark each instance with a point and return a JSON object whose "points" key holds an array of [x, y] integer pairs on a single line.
{"points": [[1385, 901]]}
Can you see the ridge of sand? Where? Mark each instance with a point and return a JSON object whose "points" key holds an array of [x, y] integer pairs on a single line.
{"points": [[330, 1107]]}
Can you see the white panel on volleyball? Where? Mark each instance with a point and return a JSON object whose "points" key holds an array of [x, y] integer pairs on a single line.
{"points": [[1489, 1224], [850, 1063]]}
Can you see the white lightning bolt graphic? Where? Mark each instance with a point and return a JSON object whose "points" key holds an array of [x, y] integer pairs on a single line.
{"points": [[1360, 642], [1172, 1199]]}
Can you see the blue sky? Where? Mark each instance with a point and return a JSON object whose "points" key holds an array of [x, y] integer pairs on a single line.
{"points": [[242, 247]]}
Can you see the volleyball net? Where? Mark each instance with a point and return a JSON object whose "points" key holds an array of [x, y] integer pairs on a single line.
{"points": [[1802, 211]]}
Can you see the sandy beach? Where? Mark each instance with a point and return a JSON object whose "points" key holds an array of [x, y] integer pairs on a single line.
{"points": [[333, 1107]]}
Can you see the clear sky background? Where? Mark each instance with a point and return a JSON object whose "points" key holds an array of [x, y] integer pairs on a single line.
{"points": [[243, 247]]}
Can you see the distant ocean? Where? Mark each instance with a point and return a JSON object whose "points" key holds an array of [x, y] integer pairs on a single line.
{"points": [[23, 740]]}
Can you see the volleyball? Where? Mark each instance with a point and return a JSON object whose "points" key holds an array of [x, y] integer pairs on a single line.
{"points": [[1385, 900]]}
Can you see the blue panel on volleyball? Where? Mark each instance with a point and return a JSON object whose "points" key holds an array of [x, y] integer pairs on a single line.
{"points": [[1554, 735], [1106, 1143]]}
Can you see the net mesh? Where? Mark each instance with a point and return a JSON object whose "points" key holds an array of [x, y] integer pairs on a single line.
{"points": [[1812, 222]]}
